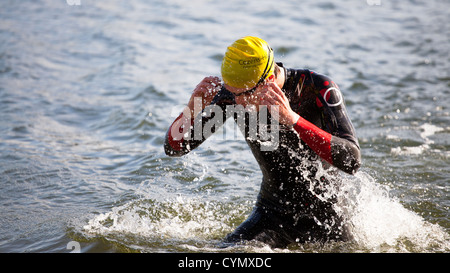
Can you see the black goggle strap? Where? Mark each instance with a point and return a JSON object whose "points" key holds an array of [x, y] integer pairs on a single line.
{"points": [[269, 61]]}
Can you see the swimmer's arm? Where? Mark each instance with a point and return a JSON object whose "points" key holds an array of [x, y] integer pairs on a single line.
{"points": [[186, 134], [182, 136], [341, 152], [339, 148], [176, 141]]}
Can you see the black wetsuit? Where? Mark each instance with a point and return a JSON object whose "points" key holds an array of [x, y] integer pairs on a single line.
{"points": [[293, 205]]}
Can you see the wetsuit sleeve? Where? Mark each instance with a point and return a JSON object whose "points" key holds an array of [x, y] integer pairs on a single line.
{"points": [[186, 134], [336, 143]]}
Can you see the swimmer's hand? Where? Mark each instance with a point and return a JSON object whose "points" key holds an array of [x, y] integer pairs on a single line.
{"points": [[272, 95], [206, 90]]}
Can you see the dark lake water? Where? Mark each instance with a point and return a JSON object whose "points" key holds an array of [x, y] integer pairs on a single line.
{"points": [[88, 91]]}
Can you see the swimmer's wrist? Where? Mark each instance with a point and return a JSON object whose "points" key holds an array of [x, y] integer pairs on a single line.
{"points": [[295, 119]]}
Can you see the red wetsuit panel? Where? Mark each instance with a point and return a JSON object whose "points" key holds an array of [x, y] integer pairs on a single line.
{"points": [[177, 143], [317, 139]]}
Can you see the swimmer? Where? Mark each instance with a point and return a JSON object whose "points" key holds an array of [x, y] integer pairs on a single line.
{"points": [[308, 112]]}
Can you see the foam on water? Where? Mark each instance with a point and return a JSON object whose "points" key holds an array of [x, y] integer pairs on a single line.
{"points": [[378, 223], [426, 131], [176, 221]]}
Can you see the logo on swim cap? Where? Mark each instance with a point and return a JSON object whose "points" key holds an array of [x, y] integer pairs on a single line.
{"points": [[252, 61]]}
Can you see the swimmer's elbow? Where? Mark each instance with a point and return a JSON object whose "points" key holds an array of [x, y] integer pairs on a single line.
{"points": [[170, 151], [346, 156], [174, 148], [354, 162]]}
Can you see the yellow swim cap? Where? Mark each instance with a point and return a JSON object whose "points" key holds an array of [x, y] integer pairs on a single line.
{"points": [[247, 62]]}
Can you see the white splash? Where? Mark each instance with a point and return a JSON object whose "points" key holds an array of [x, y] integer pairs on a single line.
{"points": [[379, 222], [180, 219]]}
